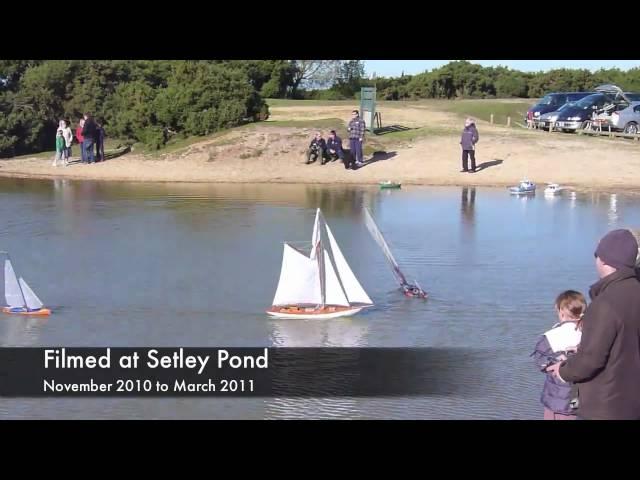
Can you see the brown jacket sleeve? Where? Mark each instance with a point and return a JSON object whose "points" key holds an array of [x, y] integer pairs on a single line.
{"points": [[600, 328]]}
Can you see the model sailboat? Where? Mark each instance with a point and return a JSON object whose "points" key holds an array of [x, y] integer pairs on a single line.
{"points": [[18, 295], [408, 289], [317, 284]]}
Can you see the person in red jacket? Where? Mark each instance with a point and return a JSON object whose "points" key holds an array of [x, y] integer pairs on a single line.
{"points": [[80, 139]]}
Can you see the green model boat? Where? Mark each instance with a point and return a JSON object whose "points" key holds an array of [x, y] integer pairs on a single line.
{"points": [[389, 184]]}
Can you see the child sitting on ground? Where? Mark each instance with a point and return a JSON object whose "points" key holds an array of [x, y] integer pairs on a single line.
{"points": [[553, 347]]}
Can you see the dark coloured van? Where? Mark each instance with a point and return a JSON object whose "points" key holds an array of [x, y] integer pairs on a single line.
{"points": [[575, 116], [553, 102]]}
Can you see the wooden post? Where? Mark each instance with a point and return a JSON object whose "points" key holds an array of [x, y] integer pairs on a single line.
{"points": [[508, 121], [551, 126], [492, 118]]}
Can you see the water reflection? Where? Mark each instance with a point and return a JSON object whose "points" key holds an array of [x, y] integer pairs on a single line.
{"points": [[613, 209], [20, 331], [468, 208], [525, 200], [572, 202], [336, 201], [349, 332], [550, 199]]}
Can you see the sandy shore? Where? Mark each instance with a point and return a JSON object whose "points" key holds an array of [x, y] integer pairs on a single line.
{"points": [[275, 154]]}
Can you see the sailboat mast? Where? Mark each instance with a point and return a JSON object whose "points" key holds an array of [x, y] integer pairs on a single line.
{"points": [[380, 240], [321, 269]]}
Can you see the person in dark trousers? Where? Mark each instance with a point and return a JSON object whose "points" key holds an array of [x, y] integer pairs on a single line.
{"points": [[90, 133], [317, 149], [356, 130], [334, 147], [468, 141], [99, 141], [606, 367]]}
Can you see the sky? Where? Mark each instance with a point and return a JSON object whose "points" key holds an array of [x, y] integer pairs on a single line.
{"points": [[393, 68]]}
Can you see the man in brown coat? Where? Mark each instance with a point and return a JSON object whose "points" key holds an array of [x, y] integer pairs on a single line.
{"points": [[606, 367]]}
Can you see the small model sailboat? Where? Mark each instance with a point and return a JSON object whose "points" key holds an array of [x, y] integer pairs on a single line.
{"points": [[408, 289], [18, 295], [317, 285]]}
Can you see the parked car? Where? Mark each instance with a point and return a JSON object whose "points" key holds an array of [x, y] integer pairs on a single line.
{"points": [[553, 102], [628, 119], [577, 116], [546, 119], [603, 118]]}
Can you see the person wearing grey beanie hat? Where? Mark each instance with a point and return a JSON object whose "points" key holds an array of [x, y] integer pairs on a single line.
{"points": [[606, 367], [618, 249]]}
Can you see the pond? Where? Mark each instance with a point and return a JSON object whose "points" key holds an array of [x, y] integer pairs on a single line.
{"points": [[197, 265]]}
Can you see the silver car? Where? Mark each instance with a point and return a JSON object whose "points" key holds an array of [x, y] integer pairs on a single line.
{"points": [[628, 119]]}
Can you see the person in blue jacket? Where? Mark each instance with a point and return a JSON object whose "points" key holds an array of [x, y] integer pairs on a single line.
{"points": [[334, 147]]}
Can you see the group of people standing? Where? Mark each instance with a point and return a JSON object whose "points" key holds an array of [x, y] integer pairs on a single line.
{"points": [[331, 149], [591, 358], [89, 135]]}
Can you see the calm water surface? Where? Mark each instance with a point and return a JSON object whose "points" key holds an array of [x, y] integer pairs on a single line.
{"points": [[196, 265]]}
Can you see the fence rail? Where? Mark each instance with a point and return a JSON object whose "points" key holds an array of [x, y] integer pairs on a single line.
{"points": [[609, 133], [596, 132]]}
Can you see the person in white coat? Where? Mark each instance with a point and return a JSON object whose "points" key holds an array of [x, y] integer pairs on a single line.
{"points": [[68, 140]]}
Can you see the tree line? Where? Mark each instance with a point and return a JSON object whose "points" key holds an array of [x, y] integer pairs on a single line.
{"points": [[143, 101], [151, 101], [462, 79]]}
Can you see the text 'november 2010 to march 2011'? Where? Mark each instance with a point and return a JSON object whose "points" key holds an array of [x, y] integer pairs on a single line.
{"points": [[150, 386]]}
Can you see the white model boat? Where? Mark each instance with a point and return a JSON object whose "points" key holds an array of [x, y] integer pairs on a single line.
{"points": [[553, 189], [525, 187], [317, 285], [19, 297]]}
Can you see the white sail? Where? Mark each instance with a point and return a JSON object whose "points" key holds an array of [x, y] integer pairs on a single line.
{"points": [[12, 292], [377, 236], [333, 290], [315, 236], [353, 289], [31, 299], [299, 279]]}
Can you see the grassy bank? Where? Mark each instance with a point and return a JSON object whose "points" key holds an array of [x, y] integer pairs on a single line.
{"points": [[482, 110], [320, 124], [282, 102]]}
